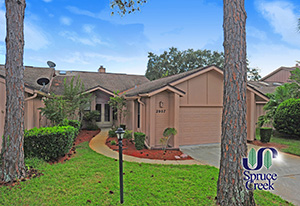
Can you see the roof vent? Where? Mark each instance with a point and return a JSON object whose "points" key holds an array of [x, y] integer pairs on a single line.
{"points": [[276, 84], [101, 69], [62, 72]]}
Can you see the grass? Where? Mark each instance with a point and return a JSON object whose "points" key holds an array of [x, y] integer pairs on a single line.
{"points": [[293, 145], [91, 178]]}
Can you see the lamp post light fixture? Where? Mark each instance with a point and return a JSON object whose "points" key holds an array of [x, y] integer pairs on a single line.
{"points": [[120, 133]]}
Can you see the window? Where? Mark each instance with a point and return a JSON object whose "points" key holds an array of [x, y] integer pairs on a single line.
{"points": [[107, 113], [115, 114], [139, 115], [98, 108]]}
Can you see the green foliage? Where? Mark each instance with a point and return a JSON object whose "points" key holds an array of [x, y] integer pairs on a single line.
{"points": [[74, 123], [55, 109], [287, 118], [253, 74], [123, 7], [70, 105], [90, 117], [113, 142], [112, 132], [282, 93], [168, 132], [295, 75], [119, 105], [265, 134], [75, 98], [139, 139], [48, 143], [174, 61], [128, 134]]}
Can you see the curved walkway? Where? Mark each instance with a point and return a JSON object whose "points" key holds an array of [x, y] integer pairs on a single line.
{"points": [[98, 145]]}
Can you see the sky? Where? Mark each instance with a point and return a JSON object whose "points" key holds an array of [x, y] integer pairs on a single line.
{"points": [[77, 35]]}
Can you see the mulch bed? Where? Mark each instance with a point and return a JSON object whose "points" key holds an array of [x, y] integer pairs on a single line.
{"points": [[269, 144], [129, 149]]}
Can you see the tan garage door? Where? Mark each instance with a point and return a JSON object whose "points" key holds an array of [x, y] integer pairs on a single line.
{"points": [[199, 125]]}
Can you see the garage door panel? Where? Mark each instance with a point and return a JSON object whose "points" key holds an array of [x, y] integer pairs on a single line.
{"points": [[200, 125]]}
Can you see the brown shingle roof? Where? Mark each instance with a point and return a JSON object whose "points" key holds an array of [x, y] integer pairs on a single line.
{"points": [[159, 83], [32, 74], [109, 81], [264, 87]]}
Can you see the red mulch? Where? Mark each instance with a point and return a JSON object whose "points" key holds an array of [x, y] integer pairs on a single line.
{"points": [[129, 149], [83, 136], [269, 144]]}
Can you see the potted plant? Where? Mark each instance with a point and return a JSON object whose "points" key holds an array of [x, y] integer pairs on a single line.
{"points": [[265, 132]]}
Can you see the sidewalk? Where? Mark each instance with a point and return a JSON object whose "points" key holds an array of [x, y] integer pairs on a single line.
{"points": [[98, 145]]}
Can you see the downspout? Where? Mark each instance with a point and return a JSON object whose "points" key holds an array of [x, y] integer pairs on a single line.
{"points": [[143, 104]]}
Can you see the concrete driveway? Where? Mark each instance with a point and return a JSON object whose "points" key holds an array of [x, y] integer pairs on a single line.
{"points": [[288, 168]]}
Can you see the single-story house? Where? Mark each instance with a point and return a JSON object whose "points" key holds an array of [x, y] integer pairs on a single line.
{"points": [[40, 82], [191, 102]]}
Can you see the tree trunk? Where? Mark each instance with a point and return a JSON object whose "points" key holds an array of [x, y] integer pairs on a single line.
{"points": [[231, 190], [12, 152]]}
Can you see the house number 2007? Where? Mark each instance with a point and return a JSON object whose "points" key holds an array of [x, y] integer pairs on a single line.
{"points": [[160, 111]]}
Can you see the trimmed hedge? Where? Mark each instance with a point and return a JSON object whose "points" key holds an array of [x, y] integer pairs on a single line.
{"points": [[49, 143], [139, 139], [287, 118], [74, 123]]}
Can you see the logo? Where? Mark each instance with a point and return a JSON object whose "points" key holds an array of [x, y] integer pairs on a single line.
{"points": [[255, 161]]}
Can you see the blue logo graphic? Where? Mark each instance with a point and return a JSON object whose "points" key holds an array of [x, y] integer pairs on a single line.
{"points": [[260, 181], [252, 160]]}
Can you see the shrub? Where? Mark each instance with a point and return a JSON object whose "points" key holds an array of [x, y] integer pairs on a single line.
{"points": [[112, 132], [287, 118], [73, 123], [92, 127], [48, 143], [90, 118], [139, 139], [128, 134], [113, 142]]}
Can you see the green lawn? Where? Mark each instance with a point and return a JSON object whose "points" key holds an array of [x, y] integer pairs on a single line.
{"points": [[90, 177], [293, 145]]}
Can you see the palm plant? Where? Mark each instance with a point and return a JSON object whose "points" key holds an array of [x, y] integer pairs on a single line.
{"points": [[167, 134]]}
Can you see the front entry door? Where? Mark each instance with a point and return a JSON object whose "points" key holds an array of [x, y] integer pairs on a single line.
{"points": [[105, 117]]}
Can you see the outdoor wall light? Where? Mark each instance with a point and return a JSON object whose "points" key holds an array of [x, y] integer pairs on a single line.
{"points": [[120, 133]]}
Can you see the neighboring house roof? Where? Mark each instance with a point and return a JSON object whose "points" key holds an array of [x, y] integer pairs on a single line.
{"points": [[109, 81], [31, 76], [160, 83], [277, 72], [264, 87]]}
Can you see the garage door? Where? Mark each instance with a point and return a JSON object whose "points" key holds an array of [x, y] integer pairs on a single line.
{"points": [[200, 125]]}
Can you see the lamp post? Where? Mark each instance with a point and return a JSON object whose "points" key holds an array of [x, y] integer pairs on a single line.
{"points": [[120, 133]]}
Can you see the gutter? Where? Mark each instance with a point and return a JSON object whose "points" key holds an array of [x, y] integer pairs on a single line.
{"points": [[32, 97]]}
